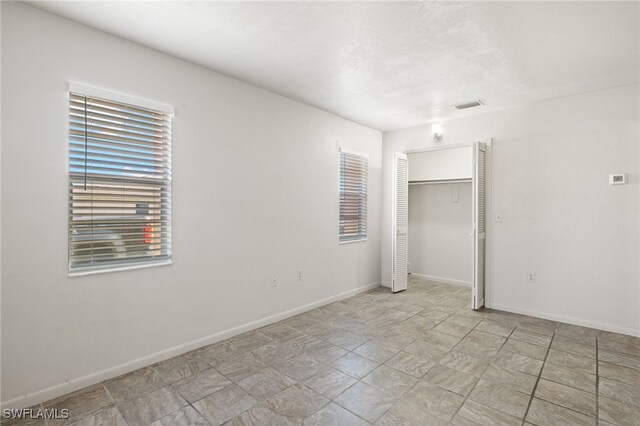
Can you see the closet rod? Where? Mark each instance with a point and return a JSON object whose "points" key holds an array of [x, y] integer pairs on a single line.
{"points": [[437, 181]]}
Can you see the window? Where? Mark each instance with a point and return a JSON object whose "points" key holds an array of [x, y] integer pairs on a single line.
{"points": [[353, 196], [119, 182]]}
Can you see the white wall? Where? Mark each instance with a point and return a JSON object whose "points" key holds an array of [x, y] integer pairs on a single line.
{"points": [[440, 239], [562, 220], [255, 180]]}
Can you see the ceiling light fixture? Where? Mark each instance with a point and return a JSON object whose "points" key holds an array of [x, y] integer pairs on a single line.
{"points": [[436, 129]]}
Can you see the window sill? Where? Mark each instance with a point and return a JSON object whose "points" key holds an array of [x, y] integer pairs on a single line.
{"points": [[361, 240], [81, 272]]}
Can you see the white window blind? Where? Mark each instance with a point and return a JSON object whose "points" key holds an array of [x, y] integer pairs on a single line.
{"points": [[119, 185], [353, 196]]}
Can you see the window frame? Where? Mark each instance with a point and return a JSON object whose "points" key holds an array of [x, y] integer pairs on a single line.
{"points": [[366, 222], [116, 97]]}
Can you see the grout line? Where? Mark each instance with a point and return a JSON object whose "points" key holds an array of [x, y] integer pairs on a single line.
{"points": [[418, 380], [478, 381], [106, 389], [483, 371], [428, 307], [567, 408], [331, 401], [535, 387], [113, 400], [199, 413], [564, 384], [597, 384]]}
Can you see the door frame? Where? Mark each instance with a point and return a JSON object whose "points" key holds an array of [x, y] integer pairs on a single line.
{"points": [[488, 267]]}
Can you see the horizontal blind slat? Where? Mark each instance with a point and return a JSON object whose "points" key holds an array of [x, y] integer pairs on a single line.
{"points": [[119, 145], [109, 152], [105, 259], [119, 184], [119, 106], [101, 114], [353, 197]]}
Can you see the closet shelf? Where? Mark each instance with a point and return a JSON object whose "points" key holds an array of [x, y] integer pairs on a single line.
{"points": [[436, 181]]}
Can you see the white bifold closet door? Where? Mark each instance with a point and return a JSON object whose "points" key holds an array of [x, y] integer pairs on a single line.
{"points": [[479, 224], [400, 221]]}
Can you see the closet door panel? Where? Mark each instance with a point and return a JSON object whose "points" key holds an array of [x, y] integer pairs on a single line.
{"points": [[400, 221], [479, 224]]}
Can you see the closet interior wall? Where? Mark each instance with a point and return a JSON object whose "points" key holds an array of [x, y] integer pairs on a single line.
{"points": [[440, 207]]}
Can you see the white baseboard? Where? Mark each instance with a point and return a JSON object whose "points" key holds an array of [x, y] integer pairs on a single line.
{"points": [[100, 376], [567, 319], [457, 283]]}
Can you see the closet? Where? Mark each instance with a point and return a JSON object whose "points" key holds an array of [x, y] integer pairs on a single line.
{"points": [[439, 217]]}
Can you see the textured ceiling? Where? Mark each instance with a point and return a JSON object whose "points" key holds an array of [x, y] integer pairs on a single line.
{"points": [[390, 65]]}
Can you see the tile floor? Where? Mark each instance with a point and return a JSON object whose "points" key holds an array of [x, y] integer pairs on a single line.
{"points": [[420, 357]]}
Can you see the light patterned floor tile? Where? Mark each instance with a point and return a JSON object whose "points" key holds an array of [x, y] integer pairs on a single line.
{"points": [[527, 349], [110, 416], [295, 404], [623, 392], [573, 347], [180, 367], [366, 401], [377, 352], [200, 385], [450, 379], [495, 328], [617, 412], [390, 380], [413, 365], [409, 358], [543, 413], [354, 365], [575, 362], [265, 384], [404, 413], [518, 362], [568, 397], [329, 382], [522, 382], [472, 414], [224, 405], [566, 376], [501, 397], [619, 373], [299, 367], [334, 415], [134, 384], [186, 416], [82, 402], [434, 400], [151, 407]]}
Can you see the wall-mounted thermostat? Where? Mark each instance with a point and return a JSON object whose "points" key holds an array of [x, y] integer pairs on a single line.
{"points": [[618, 179]]}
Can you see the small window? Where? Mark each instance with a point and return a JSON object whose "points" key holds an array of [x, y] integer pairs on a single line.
{"points": [[353, 196], [119, 184]]}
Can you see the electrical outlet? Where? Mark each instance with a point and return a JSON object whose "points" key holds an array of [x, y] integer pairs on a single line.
{"points": [[299, 276], [274, 280], [531, 277]]}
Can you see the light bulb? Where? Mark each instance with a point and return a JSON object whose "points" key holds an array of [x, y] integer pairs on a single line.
{"points": [[436, 129]]}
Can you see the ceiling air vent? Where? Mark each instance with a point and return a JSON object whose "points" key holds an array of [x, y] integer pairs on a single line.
{"points": [[467, 105]]}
